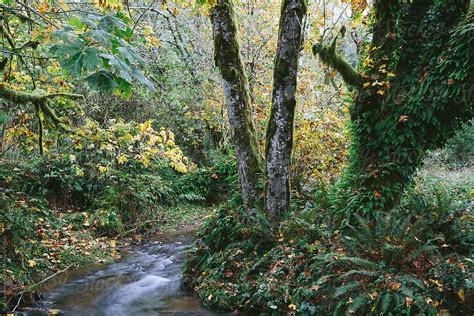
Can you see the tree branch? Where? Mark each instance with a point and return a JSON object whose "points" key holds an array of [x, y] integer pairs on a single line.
{"points": [[330, 58], [35, 97]]}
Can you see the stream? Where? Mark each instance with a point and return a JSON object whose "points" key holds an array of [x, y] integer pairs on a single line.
{"points": [[146, 281]]}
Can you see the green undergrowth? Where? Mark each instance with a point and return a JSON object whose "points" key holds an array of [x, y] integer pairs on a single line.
{"points": [[413, 260], [54, 216]]}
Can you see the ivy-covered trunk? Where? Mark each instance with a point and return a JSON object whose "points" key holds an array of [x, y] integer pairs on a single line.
{"points": [[279, 138], [236, 92], [415, 88]]}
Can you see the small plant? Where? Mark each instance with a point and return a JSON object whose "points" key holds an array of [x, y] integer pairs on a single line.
{"points": [[413, 260]]}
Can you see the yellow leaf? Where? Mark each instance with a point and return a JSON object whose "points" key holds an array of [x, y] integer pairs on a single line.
{"points": [[79, 172], [377, 83], [102, 169], [461, 294], [43, 8], [31, 263], [122, 159]]}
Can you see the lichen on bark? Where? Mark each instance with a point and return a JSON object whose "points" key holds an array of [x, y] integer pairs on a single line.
{"points": [[279, 137], [236, 91]]}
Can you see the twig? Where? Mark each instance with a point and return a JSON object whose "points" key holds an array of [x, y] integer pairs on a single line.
{"points": [[141, 15], [29, 288], [37, 13], [18, 303]]}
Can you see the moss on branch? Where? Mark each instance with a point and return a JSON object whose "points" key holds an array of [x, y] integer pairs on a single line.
{"points": [[35, 97], [329, 57], [41, 102]]}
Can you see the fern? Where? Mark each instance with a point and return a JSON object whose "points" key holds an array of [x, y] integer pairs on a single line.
{"points": [[191, 197], [357, 303], [386, 301], [425, 248], [356, 272], [360, 262], [346, 288], [409, 279]]}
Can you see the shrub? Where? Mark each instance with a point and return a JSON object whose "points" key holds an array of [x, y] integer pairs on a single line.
{"points": [[412, 260], [459, 150]]}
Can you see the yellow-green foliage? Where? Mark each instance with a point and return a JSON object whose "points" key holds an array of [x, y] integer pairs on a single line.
{"points": [[320, 149]]}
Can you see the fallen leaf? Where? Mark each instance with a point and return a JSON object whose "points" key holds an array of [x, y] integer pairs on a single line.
{"points": [[403, 118], [461, 294], [395, 286]]}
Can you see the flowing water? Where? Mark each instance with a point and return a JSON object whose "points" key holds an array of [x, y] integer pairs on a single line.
{"points": [[147, 281]]}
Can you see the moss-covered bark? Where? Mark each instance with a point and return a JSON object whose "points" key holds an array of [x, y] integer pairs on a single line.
{"points": [[236, 91], [41, 102], [418, 88], [279, 138]]}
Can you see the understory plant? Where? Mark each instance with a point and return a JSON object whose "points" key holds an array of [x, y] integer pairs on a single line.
{"points": [[413, 260]]}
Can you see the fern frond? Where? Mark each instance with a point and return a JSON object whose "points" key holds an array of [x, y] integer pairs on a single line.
{"points": [[425, 248], [346, 288], [357, 272], [357, 303], [359, 262], [409, 279], [386, 301]]}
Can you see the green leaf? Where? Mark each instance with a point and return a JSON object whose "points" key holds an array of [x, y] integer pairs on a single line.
{"points": [[137, 74], [103, 81], [86, 60], [4, 117], [129, 53], [102, 37], [65, 34], [76, 22], [343, 289], [3, 63], [119, 65], [108, 23], [124, 88], [68, 48], [387, 299]]}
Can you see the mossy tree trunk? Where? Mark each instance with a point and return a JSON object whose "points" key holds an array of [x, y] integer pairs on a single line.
{"points": [[279, 138], [236, 91], [415, 88]]}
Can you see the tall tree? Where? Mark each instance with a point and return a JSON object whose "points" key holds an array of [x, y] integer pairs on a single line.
{"points": [[236, 90], [414, 88], [279, 138]]}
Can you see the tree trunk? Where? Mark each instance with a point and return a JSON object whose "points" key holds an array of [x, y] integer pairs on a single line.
{"points": [[236, 92], [418, 87], [279, 138]]}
